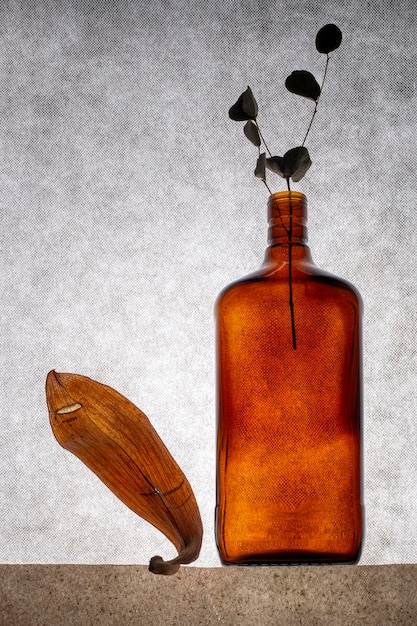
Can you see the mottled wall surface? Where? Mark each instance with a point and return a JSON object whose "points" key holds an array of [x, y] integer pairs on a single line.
{"points": [[128, 201]]}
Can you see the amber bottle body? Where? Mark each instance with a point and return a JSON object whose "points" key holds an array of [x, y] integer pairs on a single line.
{"points": [[289, 406]]}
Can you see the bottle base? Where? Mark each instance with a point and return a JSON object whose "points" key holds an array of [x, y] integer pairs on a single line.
{"points": [[288, 560]]}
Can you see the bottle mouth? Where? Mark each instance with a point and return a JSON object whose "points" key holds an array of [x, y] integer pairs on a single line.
{"points": [[285, 195], [285, 202], [287, 218]]}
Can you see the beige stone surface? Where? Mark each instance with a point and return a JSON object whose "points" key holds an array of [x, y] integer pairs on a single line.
{"points": [[61, 595]]}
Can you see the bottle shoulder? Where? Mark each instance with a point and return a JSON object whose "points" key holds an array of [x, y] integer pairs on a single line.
{"points": [[267, 282]]}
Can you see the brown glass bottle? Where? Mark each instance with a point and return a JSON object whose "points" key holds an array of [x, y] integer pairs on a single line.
{"points": [[289, 406]]}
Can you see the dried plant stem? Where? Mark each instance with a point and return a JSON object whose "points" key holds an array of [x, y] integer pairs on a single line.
{"points": [[317, 101], [262, 138], [266, 185], [291, 301]]}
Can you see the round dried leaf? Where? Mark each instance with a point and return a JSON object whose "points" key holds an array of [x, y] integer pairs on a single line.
{"points": [[260, 171], [328, 38], [276, 164], [295, 164], [245, 108], [251, 132], [303, 83]]}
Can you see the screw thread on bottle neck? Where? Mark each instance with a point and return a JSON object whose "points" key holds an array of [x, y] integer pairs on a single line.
{"points": [[287, 218]]}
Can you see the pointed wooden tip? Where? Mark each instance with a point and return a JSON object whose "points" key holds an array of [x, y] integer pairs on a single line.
{"points": [[60, 404], [57, 396]]}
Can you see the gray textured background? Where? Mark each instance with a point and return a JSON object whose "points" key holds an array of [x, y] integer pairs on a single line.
{"points": [[128, 202]]}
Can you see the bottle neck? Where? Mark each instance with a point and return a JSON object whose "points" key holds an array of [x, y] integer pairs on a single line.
{"points": [[287, 219]]}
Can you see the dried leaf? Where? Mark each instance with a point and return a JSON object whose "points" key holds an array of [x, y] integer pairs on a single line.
{"points": [[276, 164], [303, 83], [245, 108], [296, 162], [118, 443], [260, 171], [328, 38], [251, 132]]}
